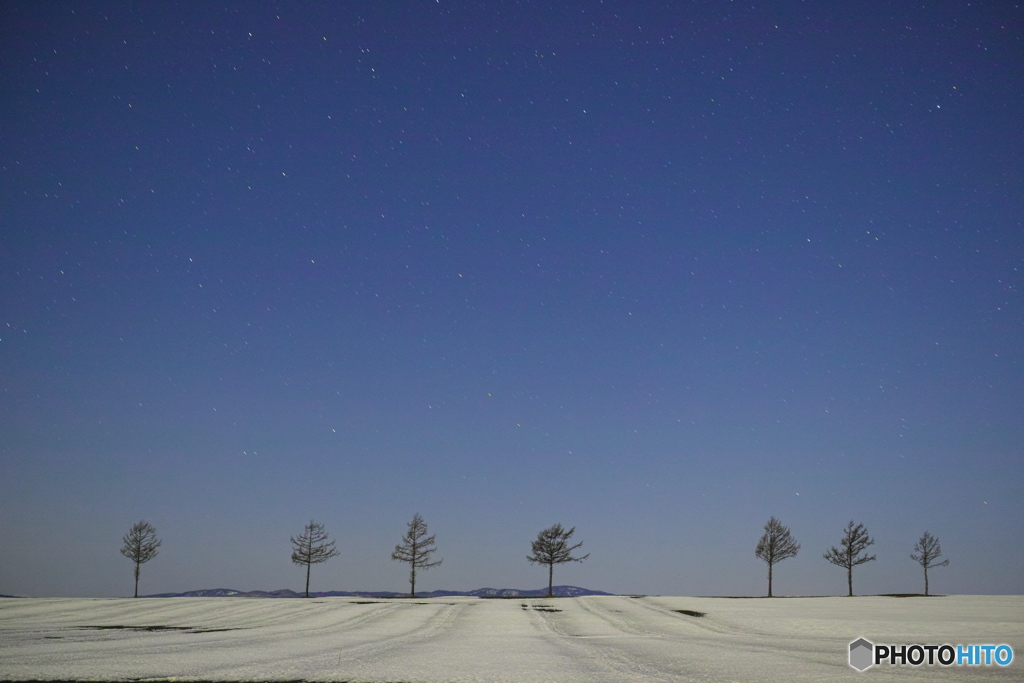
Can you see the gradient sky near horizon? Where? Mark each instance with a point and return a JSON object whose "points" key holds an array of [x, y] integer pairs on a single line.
{"points": [[655, 270]]}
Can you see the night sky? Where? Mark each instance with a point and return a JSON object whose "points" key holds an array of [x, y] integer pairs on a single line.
{"points": [[655, 270]]}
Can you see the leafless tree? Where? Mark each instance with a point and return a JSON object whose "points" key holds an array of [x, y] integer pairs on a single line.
{"points": [[312, 547], [416, 548], [926, 551], [855, 540], [552, 547], [140, 546], [774, 546]]}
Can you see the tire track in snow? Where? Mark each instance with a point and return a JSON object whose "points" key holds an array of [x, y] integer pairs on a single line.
{"points": [[757, 642], [335, 648], [434, 624], [612, 617], [286, 639], [682, 625], [611, 649], [712, 624]]}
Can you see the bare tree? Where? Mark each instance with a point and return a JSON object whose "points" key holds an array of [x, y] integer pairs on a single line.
{"points": [[552, 547], [140, 546], [926, 551], [312, 547], [774, 546], [416, 548], [855, 540]]}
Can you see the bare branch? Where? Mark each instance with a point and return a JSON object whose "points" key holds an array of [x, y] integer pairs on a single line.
{"points": [[140, 546], [775, 546], [926, 551], [855, 540], [312, 547], [416, 549], [552, 547]]}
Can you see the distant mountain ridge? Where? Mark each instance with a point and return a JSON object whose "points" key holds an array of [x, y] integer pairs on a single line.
{"points": [[558, 591]]}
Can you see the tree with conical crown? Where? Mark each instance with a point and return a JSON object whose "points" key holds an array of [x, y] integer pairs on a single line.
{"points": [[416, 548], [140, 546], [775, 546], [312, 547]]}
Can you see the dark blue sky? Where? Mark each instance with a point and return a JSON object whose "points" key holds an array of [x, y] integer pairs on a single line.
{"points": [[658, 270]]}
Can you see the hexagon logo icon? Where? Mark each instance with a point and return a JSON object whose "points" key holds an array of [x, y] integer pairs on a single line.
{"points": [[862, 654]]}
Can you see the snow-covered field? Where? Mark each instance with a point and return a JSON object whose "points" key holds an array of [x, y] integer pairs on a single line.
{"points": [[470, 639]]}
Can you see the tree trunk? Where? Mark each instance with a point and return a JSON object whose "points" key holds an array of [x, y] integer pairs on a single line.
{"points": [[849, 580], [926, 581], [309, 566], [136, 579], [769, 580], [412, 582], [551, 575]]}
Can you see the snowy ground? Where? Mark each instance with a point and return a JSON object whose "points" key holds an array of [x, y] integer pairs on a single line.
{"points": [[469, 639]]}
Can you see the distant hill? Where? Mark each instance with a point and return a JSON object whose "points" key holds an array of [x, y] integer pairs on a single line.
{"points": [[559, 591]]}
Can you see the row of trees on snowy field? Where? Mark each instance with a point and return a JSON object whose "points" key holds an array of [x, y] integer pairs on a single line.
{"points": [[314, 546], [777, 544], [551, 547], [417, 549]]}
